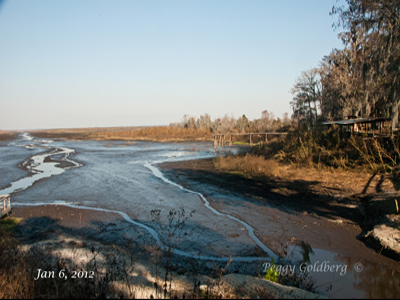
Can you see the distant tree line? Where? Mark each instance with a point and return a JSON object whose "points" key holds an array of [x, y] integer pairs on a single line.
{"points": [[266, 123], [363, 78]]}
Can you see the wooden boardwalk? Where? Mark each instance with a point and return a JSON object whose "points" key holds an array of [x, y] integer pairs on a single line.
{"points": [[220, 139], [5, 206]]}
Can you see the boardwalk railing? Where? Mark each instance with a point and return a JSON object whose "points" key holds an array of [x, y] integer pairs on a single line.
{"points": [[5, 206], [220, 139]]}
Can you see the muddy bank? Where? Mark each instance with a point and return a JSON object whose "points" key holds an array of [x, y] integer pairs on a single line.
{"points": [[80, 237], [329, 211], [324, 213], [46, 222], [49, 222]]}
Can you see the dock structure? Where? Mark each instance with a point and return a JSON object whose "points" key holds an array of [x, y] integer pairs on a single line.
{"points": [[221, 140], [368, 126], [5, 206]]}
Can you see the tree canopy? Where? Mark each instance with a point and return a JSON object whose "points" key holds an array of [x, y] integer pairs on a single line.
{"points": [[362, 79]]}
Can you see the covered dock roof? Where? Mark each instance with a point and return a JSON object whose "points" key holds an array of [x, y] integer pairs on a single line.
{"points": [[356, 121]]}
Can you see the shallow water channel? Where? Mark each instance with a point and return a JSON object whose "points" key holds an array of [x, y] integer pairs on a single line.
{"points": [[122, 177]]}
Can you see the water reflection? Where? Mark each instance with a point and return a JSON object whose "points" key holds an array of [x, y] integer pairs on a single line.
{"points": [[349, 277]]}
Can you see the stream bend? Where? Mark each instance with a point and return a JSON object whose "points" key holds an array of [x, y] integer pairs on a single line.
{"points": [[41, 169]]}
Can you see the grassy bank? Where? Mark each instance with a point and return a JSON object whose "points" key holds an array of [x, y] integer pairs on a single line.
{"points": [[249, 165], [328, 161], [304, 182], [328, 149], [156, 133]]}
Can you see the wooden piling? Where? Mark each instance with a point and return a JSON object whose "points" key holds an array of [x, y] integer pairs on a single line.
{"points": [[5, 208]]}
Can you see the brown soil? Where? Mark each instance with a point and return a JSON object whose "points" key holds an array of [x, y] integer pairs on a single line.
{"points": [[63, 215], [320, 207], [46, 221]]}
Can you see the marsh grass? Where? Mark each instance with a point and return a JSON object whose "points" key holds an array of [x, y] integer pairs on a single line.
{"points": [[249, 165], [155, 133], [7, 135]]}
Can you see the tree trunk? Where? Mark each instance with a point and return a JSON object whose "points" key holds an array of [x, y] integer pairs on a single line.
{"points": [[367, 105], [395, 110], [315, 109]]}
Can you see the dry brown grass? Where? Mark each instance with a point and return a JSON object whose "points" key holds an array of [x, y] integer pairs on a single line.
{"points": [[7, 135], [336, 182], [159, 133], [250, 165], [156, 133]]}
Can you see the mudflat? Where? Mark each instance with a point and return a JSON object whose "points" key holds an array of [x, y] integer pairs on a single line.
{"points": [[322, 208]]}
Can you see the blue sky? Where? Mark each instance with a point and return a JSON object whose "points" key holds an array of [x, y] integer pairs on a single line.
{"points": [[131, 63]]}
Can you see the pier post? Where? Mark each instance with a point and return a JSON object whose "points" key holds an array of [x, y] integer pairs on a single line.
{"points": [[251, 143], [5, 208]]}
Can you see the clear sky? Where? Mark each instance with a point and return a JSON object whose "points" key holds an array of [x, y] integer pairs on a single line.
{"points": [[130, 63]]}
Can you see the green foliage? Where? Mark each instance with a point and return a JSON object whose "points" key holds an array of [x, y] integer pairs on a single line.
{"points": [[306, 250], [272, 273], [8, 224]]}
